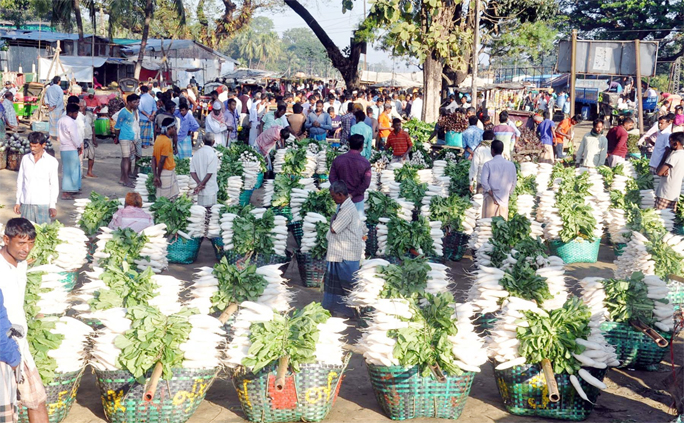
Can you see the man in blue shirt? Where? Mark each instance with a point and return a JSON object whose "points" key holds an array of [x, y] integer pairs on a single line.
{"points": [[318, 123], [147, 109], [125, 135], [362, 128], [187, 127], [472, 137], [545, 132]]}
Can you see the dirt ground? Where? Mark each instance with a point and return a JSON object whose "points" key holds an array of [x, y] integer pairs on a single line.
{"points": [[632, 396]]}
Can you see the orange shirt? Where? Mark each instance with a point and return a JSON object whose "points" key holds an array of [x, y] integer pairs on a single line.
{"points": [[565, 127], [384, 120], [164, 147]]}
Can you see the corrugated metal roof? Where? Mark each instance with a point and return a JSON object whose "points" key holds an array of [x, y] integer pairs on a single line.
{"points": [[155, 44], [46, 36]]}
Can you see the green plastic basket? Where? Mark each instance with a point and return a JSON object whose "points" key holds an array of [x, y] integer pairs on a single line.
{"points": [[297, 229], [485, 322], [145, 169], [68, 279], [283, 211], [678, 229], [676, 295], [259, 180], [245, 196], [371, 240], [311, 270], [576, 251], [619, 248], [403, 393], [243, 261], [175, 401], [61, 394], [217, 245], [455, 245], [308, 395], [633, 348], [524, 392], [183, 251]]}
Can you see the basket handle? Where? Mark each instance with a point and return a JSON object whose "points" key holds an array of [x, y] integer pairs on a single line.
{"points": [[438, 373], [229, 311], [151, 387], [283, 363], [648, 331], [554, 395]]}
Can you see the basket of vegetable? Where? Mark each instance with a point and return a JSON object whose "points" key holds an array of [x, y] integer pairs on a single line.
{"points": [[311, 258], [525, 392], [217, 245], [311, 269], [14, 160], [176, 399], [286, 367], [577, 250], [297, 229], [619, 248], [245, 196], [254, 235], [185, 226], [548, 367], [61, 394], [371, 240], [634, 306]]}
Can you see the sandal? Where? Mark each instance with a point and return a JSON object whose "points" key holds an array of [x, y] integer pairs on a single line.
{"points": [[129, 185]]}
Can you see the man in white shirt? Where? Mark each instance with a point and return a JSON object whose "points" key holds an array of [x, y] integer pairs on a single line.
{"points": [[671, 172], [86, 123], [452, 105], [481, 155], [255, 114], [417, 107], [54, 99], [215, 124], [37, 183], [203, 169], [498, 182], [9, 87], [593, 148], [71, 144], [19, 239], [662, 141]]}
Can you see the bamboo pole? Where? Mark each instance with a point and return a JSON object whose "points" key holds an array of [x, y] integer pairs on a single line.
{"points": [[554, 395], [151, 387], [229, 311], [282, 370]]}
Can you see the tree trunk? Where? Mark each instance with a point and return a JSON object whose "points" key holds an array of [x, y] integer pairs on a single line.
{"points": [[149, 11], [432, 81], [76, 5], [348, 66]]}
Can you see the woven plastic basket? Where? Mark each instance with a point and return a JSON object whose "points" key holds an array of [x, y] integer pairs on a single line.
{"points": [[455, 245], [576, 251], [145, 169], [217, 245], [403, 393], [524, 392], [69, 279], [241, 262], [633, 348], [311, 270], [175, 400], [485, 322], [619, 248], [676, 295], [297, 229], [259, 180], [371, 241], [183, 251], [61, 394], [245, 196], [14, 161], [678, 229], [308, 395]]}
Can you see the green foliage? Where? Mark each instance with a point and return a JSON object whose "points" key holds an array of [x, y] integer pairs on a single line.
{"points": [[553, 336], [295, 162], [235, 285], [643, 170], [522, 281], [646, 221], [125, 246], [380, 205], [125, 288], [667, 261], [577, 217], [403, 236], [174, 213], [406, 281], [151, 189], [97, 213], [628, 299], [413, 191], [510, 232], [405, 173], [282, 190], [153, 337], [450, 211], [46, 241], [320, 202], [182, 166], [420, 131], [293, 335], [252, 235], [320, 250], [460, 181], [425, 341], [528, 39]]}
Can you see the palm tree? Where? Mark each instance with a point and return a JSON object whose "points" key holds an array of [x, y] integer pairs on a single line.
{"points": [[248, 46]]}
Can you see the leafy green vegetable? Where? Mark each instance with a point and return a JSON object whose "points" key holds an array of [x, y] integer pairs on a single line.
{"points": [[46, 241], [667, 261], [628, 299], [125, 246], [460, 180], [295, 162], [553, 337], [320, 250], [252, 235], [293, 335], [406, 173], [151, 189], [173, 213], [425, 342], [319, 202], [403, 236], [512, 231], [413, 192], [522, 281], [450, 211], [647, 221], [405, 281], [282, 189], [577, 217], [126, 288], [97, 213], [182, 166], [380, 205], [235, 285], [153, 338]]}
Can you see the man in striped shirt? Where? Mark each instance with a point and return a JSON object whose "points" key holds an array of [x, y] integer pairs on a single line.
{"points": [[399, 141], [507, 134]]}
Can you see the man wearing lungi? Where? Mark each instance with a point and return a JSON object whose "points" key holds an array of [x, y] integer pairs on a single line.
{"points": [[71, 146], [54, 99], [147, 109], [163, 165]]}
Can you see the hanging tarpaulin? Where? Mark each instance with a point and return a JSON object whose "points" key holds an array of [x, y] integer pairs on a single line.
{"points": [[77, 67]]}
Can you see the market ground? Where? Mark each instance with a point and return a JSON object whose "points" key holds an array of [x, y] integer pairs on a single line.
{"points": [[632, 396]]}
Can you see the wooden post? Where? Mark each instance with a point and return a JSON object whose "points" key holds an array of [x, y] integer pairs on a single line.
{"points": [[573, 72], [640, 103], [476, 41]]}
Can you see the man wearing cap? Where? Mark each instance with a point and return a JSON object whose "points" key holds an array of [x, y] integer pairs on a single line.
{"points": [[9, 87], [10, 114], [91, 101], [215, 124]]}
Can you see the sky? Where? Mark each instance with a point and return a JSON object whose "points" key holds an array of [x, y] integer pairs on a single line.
{"points": [[339, 26]]}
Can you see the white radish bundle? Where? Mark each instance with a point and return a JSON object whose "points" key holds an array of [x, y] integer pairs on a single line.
{"points": [[197, 222], [46, 282], [635, 258], [187, 185], [438, 167], [279, 160], [214, 221], [104, 353], [267, 195], [322, 162], [71, 249], [227, 230], [141, 186], [297, 198], [310, 236], [234, 189], [153, 253], [481, 234], [647, 198], [70, 356], [201, 350]]}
